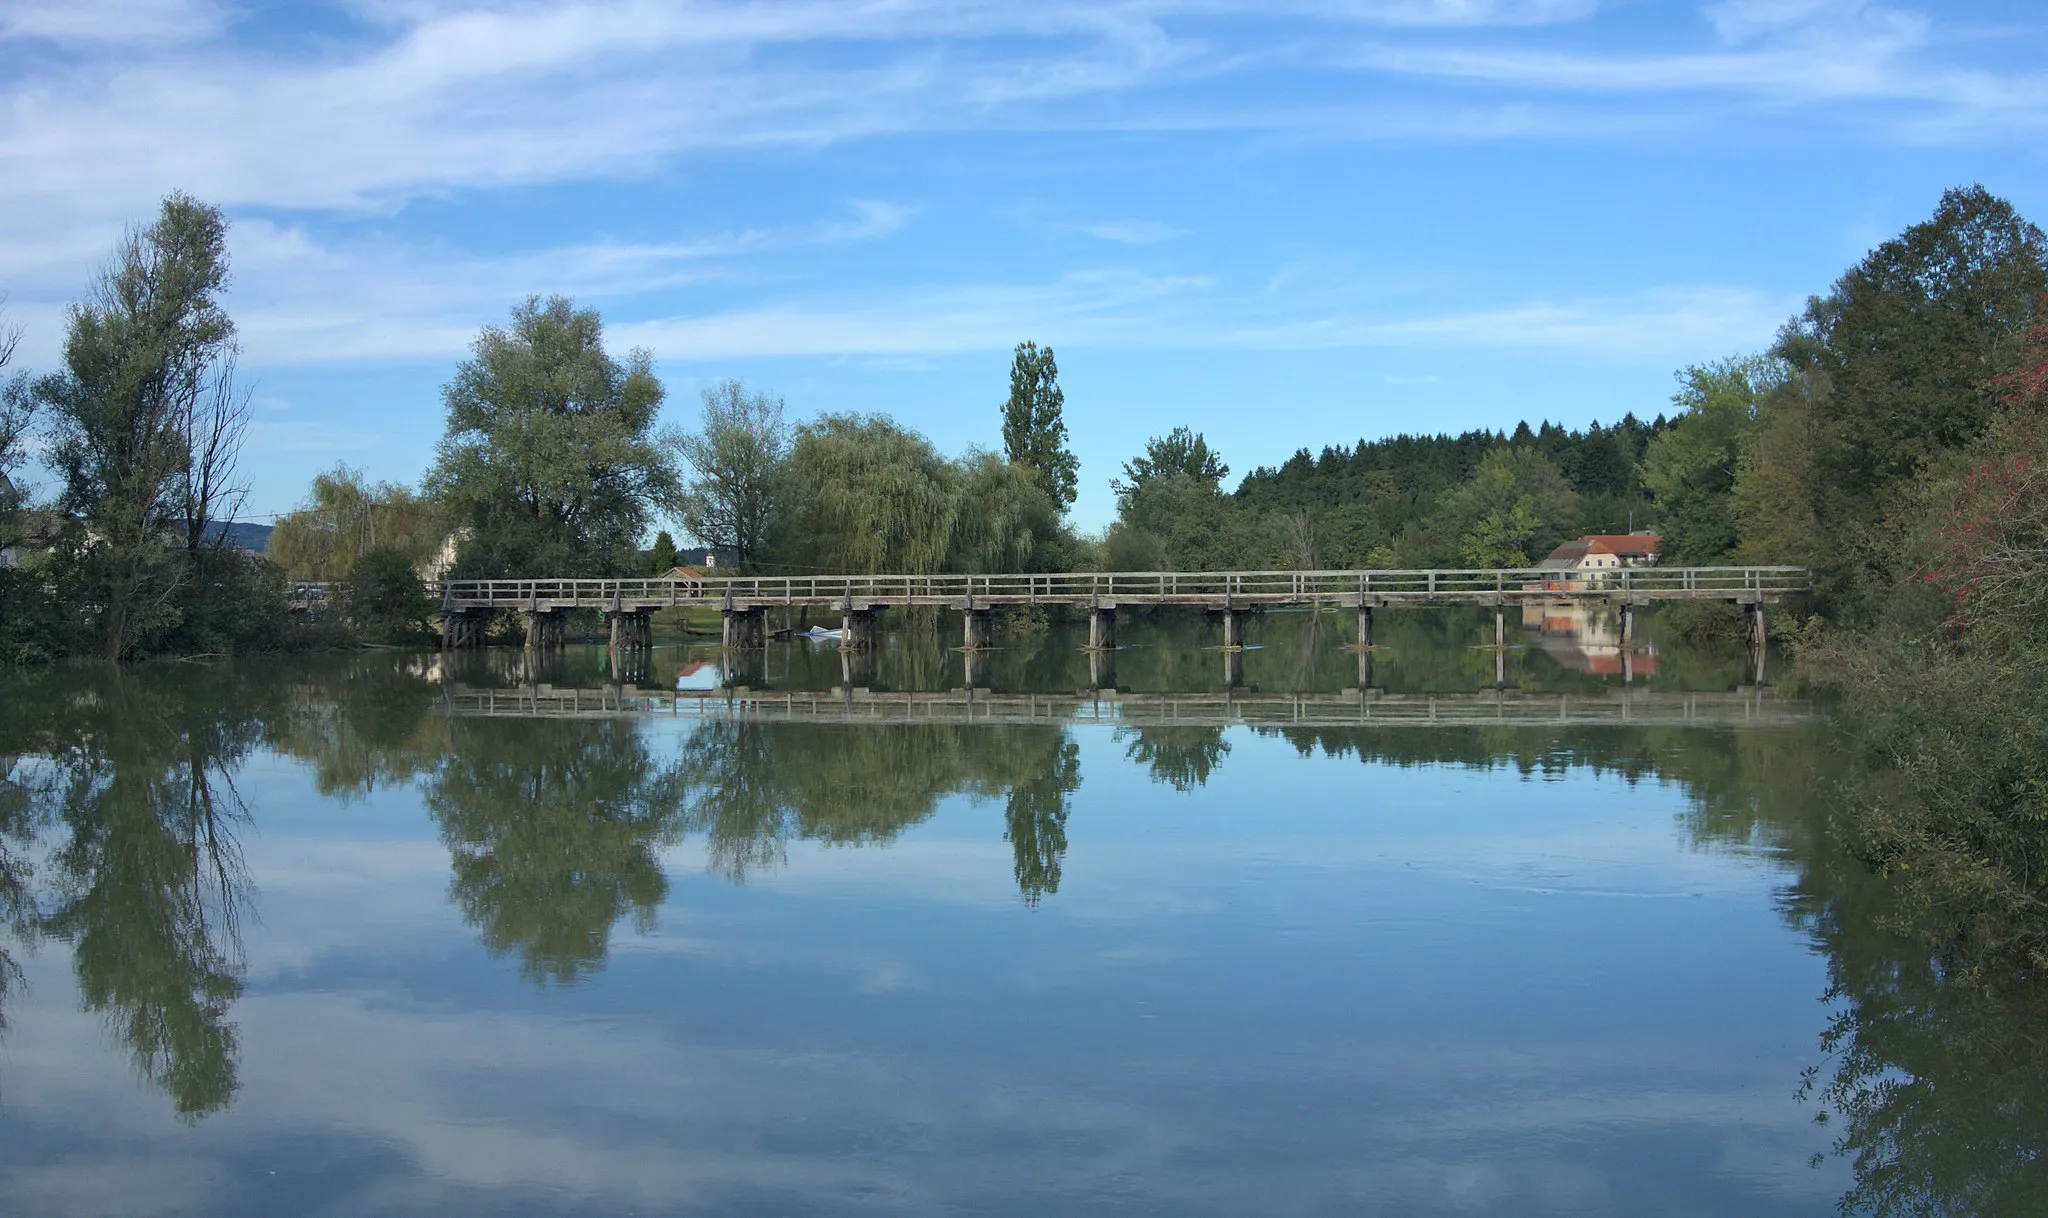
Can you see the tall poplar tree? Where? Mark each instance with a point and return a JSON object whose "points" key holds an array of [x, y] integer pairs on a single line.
{"points": [[1034, 426]]}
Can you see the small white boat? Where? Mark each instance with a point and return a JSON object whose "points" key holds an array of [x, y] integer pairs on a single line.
{"points": [[821, 634]]}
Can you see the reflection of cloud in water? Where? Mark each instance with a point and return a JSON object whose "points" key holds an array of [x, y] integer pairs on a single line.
{"points": [[431, 1108]]}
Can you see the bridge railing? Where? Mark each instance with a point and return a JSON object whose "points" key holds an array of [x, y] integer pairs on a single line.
{"points": [[1112, 586]]}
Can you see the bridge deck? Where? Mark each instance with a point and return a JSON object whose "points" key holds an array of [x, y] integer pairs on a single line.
{"points": [[1112, 589], [1748, 707]]}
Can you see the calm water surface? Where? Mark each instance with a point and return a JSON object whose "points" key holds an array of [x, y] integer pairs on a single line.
{"points": [[300, 937]]}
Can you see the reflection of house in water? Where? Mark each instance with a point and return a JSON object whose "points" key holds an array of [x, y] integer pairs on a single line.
{"points": [[1585, 637]]}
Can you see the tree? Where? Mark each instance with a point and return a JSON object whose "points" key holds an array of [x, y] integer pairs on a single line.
{"points": [[1004, 519], [210, 490], [17, 413], [384, 598], [148, 346], [1691, 466], [1034, 426], [344, 517], [1908, 348], [1516, 506], [663, 557], [549, 462], [868, 495], [1179, 451], [735, 461]]}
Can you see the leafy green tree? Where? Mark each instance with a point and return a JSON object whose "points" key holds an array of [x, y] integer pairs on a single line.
{"points": [[1034, 424], [733, 497], [384, 598], [868, 495], [1004, 520], [1180, 451], [1691, 467], [344, 517], [662, 558], [1903, 358], [1515, 508], [141, 353], [550, 465]]}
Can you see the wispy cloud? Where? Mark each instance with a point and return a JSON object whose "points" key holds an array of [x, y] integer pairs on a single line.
{"points": [[1133, 232], [1112, 308]]}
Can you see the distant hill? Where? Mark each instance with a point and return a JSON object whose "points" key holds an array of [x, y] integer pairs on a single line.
{"points": [[242, 535]]}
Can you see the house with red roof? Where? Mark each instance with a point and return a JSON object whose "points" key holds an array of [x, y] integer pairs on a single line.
{"points": [[1600, 553]]}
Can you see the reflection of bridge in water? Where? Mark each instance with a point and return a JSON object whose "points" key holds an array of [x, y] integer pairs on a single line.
{"points": [[1752, 706]]}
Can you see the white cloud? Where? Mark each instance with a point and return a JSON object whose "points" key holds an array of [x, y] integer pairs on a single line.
{"points": [[116, 22], [1133, 232], [1110, 308]]}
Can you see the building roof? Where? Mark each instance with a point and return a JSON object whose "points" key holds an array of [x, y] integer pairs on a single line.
{"points": [[1621, 543]]}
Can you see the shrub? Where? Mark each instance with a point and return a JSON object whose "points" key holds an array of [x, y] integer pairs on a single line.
{"points": [[384, 599]]}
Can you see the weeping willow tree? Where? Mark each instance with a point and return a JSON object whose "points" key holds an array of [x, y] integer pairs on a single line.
{"points": [[1005, 519], [869, 496], [344, 517]]}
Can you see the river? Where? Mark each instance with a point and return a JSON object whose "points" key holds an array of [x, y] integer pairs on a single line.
{"points": [[330, 935]]}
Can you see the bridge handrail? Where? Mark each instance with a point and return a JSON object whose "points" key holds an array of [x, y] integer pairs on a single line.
{"points": [[1114, 585]]}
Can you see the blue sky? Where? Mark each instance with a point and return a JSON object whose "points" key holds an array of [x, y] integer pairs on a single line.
{"points": [[1285, 223]]}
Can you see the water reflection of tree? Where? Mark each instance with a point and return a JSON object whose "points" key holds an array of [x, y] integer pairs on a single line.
{"points": [[1182, 757], [147, 882], [755, 787], [362, 723], [552, 829], [1035, 819], [1936, 1085], [17, 908]]}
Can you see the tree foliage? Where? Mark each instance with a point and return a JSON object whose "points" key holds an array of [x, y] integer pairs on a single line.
{"points": [[1035, 427], [550, 465], [867, 495], [147, 356], [383, 596], [733, 498], [344, 517]]}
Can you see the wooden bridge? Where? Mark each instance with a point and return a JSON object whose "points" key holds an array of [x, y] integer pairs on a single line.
{"points": [[1748, 707], [1235, 595]]}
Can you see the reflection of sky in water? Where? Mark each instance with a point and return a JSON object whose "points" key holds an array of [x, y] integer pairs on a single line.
{"points": [[1310, 985]]}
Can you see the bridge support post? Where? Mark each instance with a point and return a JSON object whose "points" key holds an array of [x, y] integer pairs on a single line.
{"points": [[545, 629], [857, 630], [1233, 628], [462, 628], [974, 666], [618, 624], [1365, 625], [979, 629], [746, 628], [1628, 625], [1233, 667], [1500, 627], [1102, 628]]}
